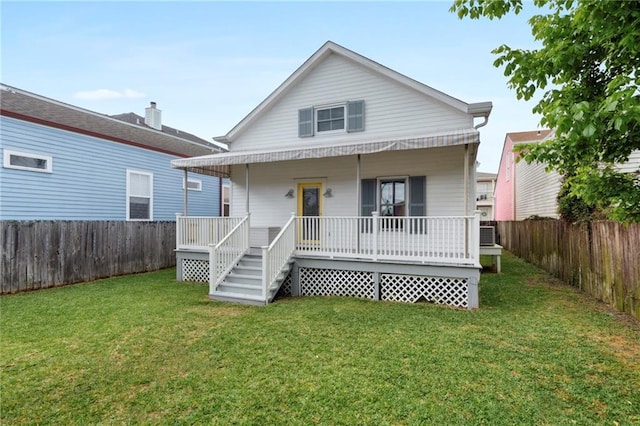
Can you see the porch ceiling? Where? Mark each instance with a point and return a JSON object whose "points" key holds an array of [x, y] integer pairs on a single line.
{"points": [[219, 164]]}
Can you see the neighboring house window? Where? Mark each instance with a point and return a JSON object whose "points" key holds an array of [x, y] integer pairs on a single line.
{"points": [[193, 184], [348, 116], [226, 199], [139, 195], [28, 161], [483, 191]]}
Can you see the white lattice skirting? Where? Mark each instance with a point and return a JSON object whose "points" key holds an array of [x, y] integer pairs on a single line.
{"points": [[393, 287], [195, 270], [413, 288], [336, 282]]}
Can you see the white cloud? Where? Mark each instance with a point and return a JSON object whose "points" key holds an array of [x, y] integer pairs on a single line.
{"points": [[102, 94]]}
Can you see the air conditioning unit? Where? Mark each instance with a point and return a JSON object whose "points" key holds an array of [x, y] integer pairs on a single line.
{"points": [[487, 235]]}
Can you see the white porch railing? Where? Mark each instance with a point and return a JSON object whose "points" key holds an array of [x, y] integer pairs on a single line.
{"points": [[194, 232], [277, 254], [224, 255], [453, 240]]}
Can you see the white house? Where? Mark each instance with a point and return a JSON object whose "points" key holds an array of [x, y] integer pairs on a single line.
{"points": [[485, 185], [348, 179], [527, 189]]}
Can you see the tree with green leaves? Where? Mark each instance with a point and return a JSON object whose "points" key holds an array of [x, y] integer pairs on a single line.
{"points": [[588, 71]]}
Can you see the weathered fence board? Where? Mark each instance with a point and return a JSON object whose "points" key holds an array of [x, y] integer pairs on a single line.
{"points": [[42, 254], [601, 258]]}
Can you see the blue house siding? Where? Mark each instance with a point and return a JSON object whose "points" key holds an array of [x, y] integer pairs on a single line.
{"points": [[88, 181]]}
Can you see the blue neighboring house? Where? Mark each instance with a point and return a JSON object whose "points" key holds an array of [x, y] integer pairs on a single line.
{"points": [[61, 162]]}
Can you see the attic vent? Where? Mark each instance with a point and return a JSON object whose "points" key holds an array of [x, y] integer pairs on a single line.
{"points": [[153, 117]]}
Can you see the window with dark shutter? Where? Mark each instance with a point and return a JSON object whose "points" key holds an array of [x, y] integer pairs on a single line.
{"points": [[368, 202], [417, 202], [305, 122], [355, 116]]}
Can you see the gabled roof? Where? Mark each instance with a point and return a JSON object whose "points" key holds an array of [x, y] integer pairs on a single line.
{"points": [[481, 109], [133, 118], [530, 136], [27, 106]]}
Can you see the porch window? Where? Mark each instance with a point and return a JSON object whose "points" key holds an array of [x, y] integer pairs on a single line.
{"points": [[139, 195], [394, 197]]}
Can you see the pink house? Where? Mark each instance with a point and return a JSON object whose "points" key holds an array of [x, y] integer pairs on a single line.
{"points": [[507, 187]]}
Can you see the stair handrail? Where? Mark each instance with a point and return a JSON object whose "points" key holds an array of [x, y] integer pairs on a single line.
{"points": [[224, 255], [276, 255]]}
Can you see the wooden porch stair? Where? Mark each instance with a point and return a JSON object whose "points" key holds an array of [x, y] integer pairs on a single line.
{"points": [[244, 283]]}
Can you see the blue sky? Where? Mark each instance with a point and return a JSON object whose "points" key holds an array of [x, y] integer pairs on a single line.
{"points": [[208, 64]]}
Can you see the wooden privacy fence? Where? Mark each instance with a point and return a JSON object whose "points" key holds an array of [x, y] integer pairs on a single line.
{"points": [[41, 254], [601, 258]]}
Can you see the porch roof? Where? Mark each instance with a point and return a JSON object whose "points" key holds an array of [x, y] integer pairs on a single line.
{"points": [[219, 164]]}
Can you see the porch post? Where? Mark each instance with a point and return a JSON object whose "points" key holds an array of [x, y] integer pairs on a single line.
{"points": [[358, 202], [376, 226], [466, 197], [476, 237], [186, 192], [246, 181]]}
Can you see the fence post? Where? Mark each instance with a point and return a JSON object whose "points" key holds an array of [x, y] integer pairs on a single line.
{"points": [[376, 226]]}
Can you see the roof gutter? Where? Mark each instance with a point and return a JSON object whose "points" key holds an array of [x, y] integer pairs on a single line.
{"points": [[480, 109]]}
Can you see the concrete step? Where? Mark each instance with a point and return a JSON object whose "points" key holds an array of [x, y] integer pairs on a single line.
{"points": [[245, 299]]}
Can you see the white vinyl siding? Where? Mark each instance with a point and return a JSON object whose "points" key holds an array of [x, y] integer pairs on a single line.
{"points": [[269, 182], [631, 166], [392, 110], [536, 191]]}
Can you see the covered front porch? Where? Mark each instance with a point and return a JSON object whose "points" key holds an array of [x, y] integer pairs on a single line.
{"points": [[324, 217], [390, 258]]}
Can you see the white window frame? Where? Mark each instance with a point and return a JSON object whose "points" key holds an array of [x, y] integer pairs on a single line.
{"points": [[198, 183], [317, 109], [226, 186], [129, 195], [406, 192], [9, 152]]}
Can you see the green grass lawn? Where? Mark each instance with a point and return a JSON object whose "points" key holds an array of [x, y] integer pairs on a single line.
{"points": [[146, 349]]}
